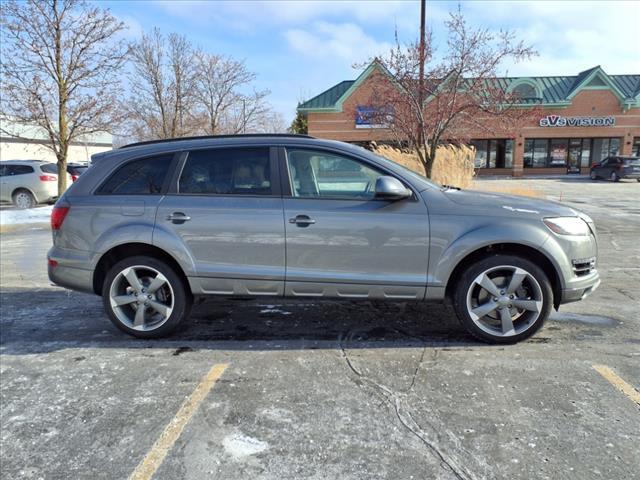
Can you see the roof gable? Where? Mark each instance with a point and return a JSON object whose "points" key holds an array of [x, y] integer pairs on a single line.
{"points": [[553, 90]]}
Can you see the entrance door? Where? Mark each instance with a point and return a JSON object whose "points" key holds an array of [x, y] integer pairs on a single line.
{"points": [[575, 148], [341, 240]]}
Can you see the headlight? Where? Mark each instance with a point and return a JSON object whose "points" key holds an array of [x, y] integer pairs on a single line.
{"points": [[567, 225]]}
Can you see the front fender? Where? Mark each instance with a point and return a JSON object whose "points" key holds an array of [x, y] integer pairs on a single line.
{"points": [[480, 233]]}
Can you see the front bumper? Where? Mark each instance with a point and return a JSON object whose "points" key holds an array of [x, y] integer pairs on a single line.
{"points": [[582, 289]]}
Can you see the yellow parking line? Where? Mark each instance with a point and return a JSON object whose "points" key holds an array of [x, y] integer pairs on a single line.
{"points": [[148, 466], [618, 382]]}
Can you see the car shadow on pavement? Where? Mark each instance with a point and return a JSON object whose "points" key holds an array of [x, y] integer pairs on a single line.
{"points": [[44, 320]]}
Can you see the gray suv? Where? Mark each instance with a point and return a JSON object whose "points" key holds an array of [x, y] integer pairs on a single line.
{"points": [[153, 225]]}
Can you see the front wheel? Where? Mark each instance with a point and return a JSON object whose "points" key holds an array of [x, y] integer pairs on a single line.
{"points": [[593, 175], [144, 297], [614, 177], [503, 299]]}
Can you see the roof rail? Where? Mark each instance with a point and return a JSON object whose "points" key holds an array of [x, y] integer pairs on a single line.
{"points": [[204, 137]]}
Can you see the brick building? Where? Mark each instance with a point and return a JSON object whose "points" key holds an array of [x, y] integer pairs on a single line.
{"points": [[582, 119]]}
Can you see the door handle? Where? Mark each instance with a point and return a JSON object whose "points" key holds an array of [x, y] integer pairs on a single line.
{"points": [[302, 220], [178, 217]]}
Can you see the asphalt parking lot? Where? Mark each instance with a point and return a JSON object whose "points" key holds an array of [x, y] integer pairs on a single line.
{"points": [[279, 390]]}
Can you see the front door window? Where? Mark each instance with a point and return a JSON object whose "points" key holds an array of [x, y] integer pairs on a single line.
{"points": [[323, 174]]}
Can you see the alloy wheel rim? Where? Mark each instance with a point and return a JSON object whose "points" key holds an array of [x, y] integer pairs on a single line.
{"points": [[23, 200], [504, 301], [141, 298]]}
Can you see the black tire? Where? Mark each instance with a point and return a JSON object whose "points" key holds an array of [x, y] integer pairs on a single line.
{"points": [[614, 177], [593, 175], [176, 293], [23, 199], [638, 180], [526, 323]]}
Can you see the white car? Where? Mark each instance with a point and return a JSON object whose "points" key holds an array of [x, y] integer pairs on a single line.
{"points": [[26, 183]]}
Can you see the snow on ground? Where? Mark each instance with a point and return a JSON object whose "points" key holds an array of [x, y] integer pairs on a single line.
{"points": [[31, 215]]}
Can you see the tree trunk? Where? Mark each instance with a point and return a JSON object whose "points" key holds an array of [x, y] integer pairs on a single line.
{"points": [[63, 128]]}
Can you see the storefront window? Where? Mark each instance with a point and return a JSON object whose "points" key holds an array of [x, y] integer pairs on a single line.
{"points": [[571, 152], [614, 146], [528, 153], [604, 147], [508, 154], [558, 152], [495, 153], [481, 153], [636, 147], [585, 159], [540, 147]]}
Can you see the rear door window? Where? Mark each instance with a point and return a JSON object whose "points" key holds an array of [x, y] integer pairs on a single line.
{"points": [[227, 171], [139, 177], [19, 169]]}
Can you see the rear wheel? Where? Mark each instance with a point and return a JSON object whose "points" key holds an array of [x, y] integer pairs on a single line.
{"points": [[24, 199], [614, 177], [145, 298], [593, 175], [503, 299]]}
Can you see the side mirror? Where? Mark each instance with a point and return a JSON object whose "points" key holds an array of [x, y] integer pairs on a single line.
{"points": [[390, 188]]}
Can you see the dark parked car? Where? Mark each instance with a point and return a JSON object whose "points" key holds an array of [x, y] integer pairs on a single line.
{"points": [[152, 226], [76, 169], [615, 168]]}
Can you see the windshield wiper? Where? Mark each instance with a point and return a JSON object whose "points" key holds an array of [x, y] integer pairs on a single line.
{"points": [[450, 187]]}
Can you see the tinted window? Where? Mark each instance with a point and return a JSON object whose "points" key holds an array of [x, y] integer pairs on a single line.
{"points": [[140, 177], [323, 174], [49, 168], [227, 171], [19, 169], [76, 170]]}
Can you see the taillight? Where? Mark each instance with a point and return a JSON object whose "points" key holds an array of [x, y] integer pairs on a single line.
{"points": [[48, 178], [58, 215], [74, 178]]}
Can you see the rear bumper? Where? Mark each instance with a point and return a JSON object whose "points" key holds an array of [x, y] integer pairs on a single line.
{"points": [[65, 269]]}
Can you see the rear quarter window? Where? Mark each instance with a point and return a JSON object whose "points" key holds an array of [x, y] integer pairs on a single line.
{"points": [[49, 168], [138, 177]]}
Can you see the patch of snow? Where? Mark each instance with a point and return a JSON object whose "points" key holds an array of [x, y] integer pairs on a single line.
{"points": [[28, 215], [275, 310], [239, 445]]}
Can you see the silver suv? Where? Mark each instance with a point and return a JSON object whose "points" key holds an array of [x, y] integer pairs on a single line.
{"points": [[152, 225], [26, 183]]}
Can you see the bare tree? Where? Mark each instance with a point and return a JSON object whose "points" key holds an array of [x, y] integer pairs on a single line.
{"points": [[458, 94], [60, 64], [220, 85], [163, 86]]}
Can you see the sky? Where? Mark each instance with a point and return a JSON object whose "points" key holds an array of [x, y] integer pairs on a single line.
{"points": [[300, 48]]}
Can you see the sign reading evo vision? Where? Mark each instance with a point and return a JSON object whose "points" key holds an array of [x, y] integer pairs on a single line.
{"points": [[559, 121]]}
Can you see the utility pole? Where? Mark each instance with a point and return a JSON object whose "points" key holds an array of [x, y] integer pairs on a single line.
{"points": [[421, 59]]}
